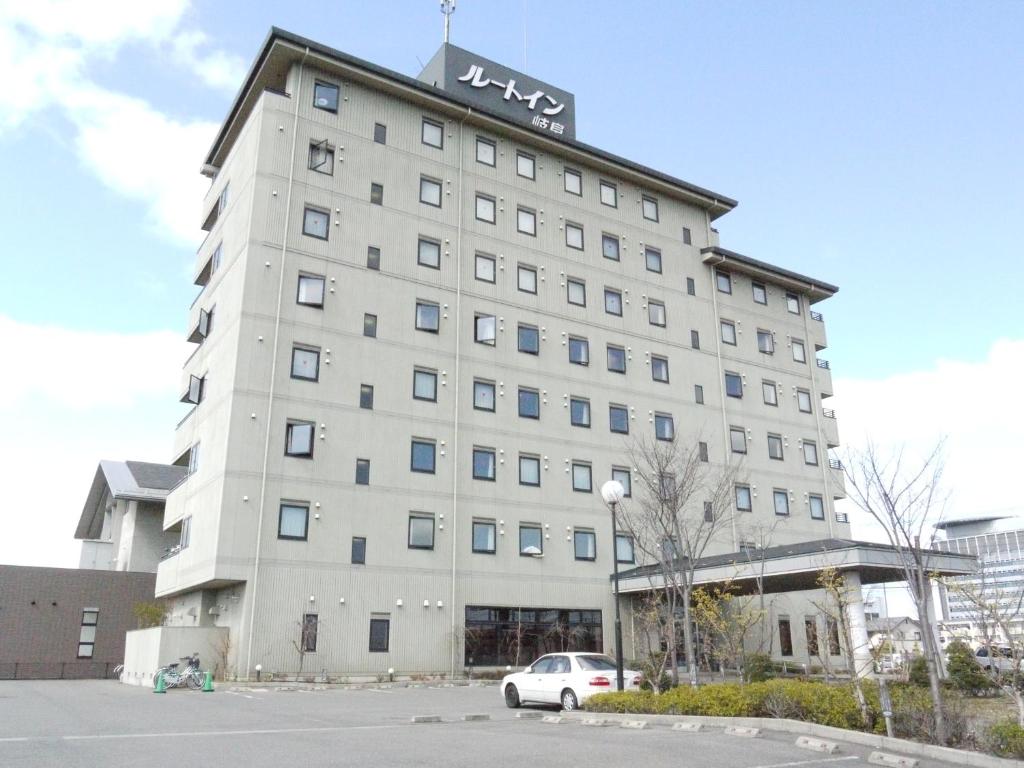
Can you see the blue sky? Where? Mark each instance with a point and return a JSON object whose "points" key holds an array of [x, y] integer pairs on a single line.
{"points": [[877, 146]]}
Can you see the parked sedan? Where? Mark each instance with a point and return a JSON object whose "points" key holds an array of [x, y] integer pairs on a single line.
{"points": [[568, 679]]}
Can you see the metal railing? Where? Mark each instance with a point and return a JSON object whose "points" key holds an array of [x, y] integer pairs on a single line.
{"points": [[828, 413], [823, 363], [842, 517], [835, 463], [816, 316]]}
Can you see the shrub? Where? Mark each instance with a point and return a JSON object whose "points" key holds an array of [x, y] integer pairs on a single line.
{"points": [[1006, 740], [758, 667], [650, 668], [919, 672], [964, 671]]}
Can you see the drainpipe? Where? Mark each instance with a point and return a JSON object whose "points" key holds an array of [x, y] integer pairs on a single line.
{"points": [[273, 370]]}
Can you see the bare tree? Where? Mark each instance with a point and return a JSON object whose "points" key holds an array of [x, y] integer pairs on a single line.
{"points": [[651, 620], [835, 607], [307, 638], [995, 610], [681, 504], [760, 535], [904, 496], [725, 618]]}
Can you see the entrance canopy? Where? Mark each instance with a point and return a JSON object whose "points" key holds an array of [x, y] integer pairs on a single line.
{"points": [[794, 567]]}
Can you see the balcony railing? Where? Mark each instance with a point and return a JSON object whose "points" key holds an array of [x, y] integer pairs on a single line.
{"points": [[823, 363], [817, 316], [828, 413], [835, 463], [842, 517]]}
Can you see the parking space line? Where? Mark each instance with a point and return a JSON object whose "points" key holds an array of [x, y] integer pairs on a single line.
{"points": [[808, 762]]}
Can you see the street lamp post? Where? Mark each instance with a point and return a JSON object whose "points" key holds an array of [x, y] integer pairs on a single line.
{"points": [[612, 492]]}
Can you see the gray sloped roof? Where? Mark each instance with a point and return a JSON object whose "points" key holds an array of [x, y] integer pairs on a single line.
{"points": [[138, 480], [887, 624], [162, 477]]}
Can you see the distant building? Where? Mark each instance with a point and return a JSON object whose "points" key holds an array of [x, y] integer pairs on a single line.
{"points": [[903, 634], [121, 526]]}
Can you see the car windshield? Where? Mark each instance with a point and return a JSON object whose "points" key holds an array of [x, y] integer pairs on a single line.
{"points": [[595, 663]]}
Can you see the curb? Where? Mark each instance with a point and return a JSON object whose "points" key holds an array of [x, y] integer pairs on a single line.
{"points": [[799, 728]]}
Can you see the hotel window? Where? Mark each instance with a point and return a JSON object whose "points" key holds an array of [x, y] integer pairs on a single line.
{"points": [[366, 397], [785, 638], [305, 363], [321, 157], [613, 302], [664, 427], [650, 208], [484, 463], [769, 392], [579, 351], [421, 531], [87, 632], [733, 385], [315, 223], [576, 292], [376, 194], [529, 339], [529, 470], [616, 359], [624, 477], [728, 332], [526, 165], [370, 325], [659, 368], [299, 439], [484, 268], [430, 191], [527, 279], [325, 96], [483, 537], [691, 287], [723, 281], [625, 551], [423, 453], [695, 339], [358, 550], [698, 394], [702, 451], [738, 439], [380, 133], [531, 540], [781, 500], [483, 396], [196, 390], [817, 505], [775, 447], [803, 400], [380, 629], [760, 294], [618, 419], [799, 353], [579, 412], [610, 247], [526, 221], [573, 182], [810, 453], [793, 303], [373, 257], [293, 521], [585, 545], [609, 194], [428, 316], [484, 329], [743, 500], [687, 239], [485, 208], [529, 403], [811, 634], [765, 342], [362, 471], [432, 134], [424, 385], [485, 151], [574, 236], [656, 313], [652, 258], [581, 477]]}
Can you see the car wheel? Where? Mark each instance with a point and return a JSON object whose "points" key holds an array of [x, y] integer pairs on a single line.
{"points": [[511, 696], [569, 702]]}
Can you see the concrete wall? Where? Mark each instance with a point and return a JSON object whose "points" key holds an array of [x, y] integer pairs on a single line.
{"points": [[97, 555], [146, 650]]}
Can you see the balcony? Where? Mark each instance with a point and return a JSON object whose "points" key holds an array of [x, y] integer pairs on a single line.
{"points": [[817, 316], [822, 363], [835, 464], [828, 413]]}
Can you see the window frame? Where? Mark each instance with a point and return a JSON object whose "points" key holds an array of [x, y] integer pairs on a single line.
{"points": [[429, 243], [532, 212], [814, 449], [308, 209], [767, 385], [484, 523], [754, 288], [520, 327], [572, 226], [386, 622], [417, 441], [531, 527], [810, 403], [300, 505], [521, 155], [480, 338], [319, 84], [616, 408], [609, 349], [417, 372], [362, 477], [723, 281], [527, 269], [585, 535], [663, 418], [744, 489], [575, 282], [428, 305], [799, 344], [608, 186], [433, 530], [775, 445], [742, 432], [649, 200], [494, 151], [649, 252], [529, 457], [566, 173], [369, 325], [815, 497], [485, 257], [610, 238], [731, 376], [790, 298], [328, 162], [519, 402], [782, 493], [618, 473], [581, 465], [584, 404], [612, 293], [664, 363], [651, 304], [582, 344], [493, 453], [290, 426], [619, 538], [366, 397], [376, 193], [423, 133], [428, 181], [381, 136], [482, 197], [315, 351], [353, 550], [373, 257], [768, 348], [484, 385], [727, 333]]}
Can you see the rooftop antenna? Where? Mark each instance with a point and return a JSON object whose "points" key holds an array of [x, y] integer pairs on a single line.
{"points": [[447, 8]]}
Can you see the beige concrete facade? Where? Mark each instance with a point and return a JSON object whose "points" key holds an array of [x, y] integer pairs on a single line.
{"points": [[237, 573]]}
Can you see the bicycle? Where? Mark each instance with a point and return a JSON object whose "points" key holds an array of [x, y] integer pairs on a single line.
{"points": [[191, 675]]}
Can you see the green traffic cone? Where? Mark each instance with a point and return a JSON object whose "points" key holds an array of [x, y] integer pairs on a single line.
{"points": [[160, 686], [208, 682]]}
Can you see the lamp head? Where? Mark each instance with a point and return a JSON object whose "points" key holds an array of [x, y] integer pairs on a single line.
{"points": [[612, 492]]}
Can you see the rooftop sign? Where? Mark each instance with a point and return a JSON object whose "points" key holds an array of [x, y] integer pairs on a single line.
{"points": [[502, 91]]}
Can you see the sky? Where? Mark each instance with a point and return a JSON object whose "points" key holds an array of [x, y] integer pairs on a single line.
{"points": [[873, 145]]}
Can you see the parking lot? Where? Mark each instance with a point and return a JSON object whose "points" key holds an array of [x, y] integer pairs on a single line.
{"points": [[103, 723]]}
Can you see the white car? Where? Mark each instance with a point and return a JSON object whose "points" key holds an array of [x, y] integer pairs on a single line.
{"points": [[568, 679]]}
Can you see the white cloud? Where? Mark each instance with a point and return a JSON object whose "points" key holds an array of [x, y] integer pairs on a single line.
{"points": [[132, 147], [972, 404]]}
